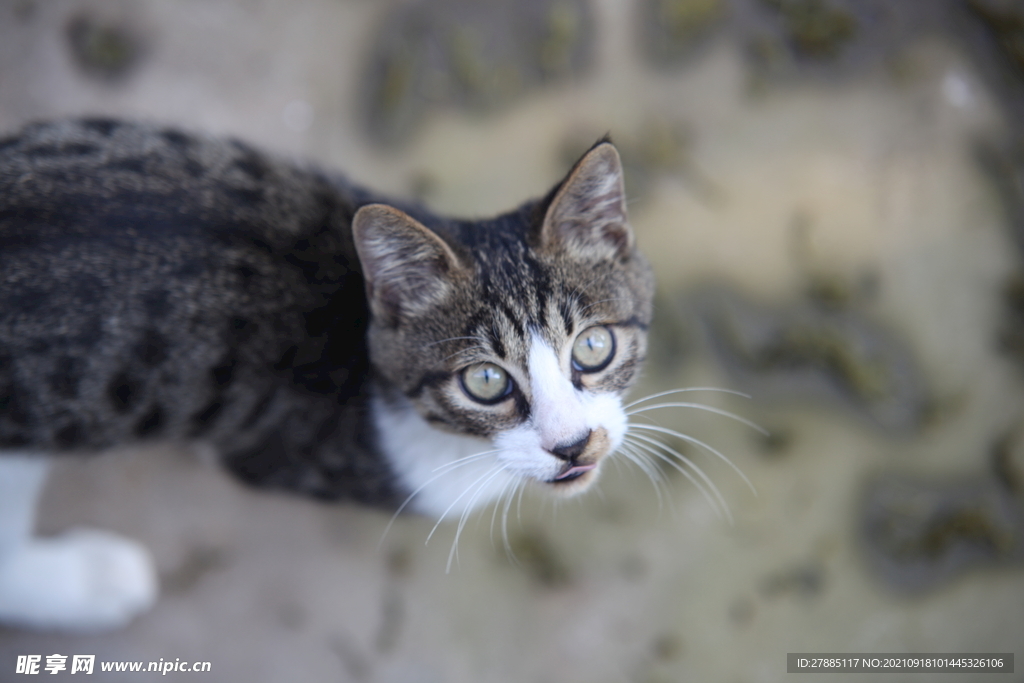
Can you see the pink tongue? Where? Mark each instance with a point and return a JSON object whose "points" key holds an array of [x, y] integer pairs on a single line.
{"points": [[579, 469]]}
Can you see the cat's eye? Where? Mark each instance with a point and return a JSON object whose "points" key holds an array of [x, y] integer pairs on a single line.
{"points": [[593, 349], [486, 383]]}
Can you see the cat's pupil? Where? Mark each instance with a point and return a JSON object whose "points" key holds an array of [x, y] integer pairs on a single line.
{"points": [[593, 349], [486, 382]]}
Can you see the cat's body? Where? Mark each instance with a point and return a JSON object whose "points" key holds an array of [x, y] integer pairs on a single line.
{"points": [[154, 284], [158, 285]]}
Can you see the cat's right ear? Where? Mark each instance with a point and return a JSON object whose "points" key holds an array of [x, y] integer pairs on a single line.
{"points": [[406, 267], [587, 217]]}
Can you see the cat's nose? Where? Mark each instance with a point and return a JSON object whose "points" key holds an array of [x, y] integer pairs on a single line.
{"points": [[571, 451]]}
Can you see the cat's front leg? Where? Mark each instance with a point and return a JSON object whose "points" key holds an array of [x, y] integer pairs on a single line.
{"points": [[82, 580]]}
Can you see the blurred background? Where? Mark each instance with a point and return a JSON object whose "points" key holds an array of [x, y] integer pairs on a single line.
{"points": [[832, 194]]}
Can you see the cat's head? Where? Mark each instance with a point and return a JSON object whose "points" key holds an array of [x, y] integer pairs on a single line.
{"points": [[523, 331]]}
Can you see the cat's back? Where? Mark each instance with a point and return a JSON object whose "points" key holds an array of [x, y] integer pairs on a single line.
{"points": [[93, 177], [156, 283]]}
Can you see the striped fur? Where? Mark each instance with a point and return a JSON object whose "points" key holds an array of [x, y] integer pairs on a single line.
{"points": [[159, 284]]}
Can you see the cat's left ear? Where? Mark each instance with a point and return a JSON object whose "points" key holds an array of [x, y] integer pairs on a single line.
{"points": [[587, 217]]}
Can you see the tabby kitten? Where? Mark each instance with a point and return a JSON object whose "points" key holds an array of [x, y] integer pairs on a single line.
{"points": [[160, 285]]}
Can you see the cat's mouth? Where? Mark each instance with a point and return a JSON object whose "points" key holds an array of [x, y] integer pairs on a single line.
{"points": [[572, 473], [580, 472]]}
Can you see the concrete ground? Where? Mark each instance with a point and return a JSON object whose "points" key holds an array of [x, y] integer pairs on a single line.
{"points": [[825, 239]]}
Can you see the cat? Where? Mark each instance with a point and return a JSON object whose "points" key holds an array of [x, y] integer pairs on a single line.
{"points": [[156, 284]]}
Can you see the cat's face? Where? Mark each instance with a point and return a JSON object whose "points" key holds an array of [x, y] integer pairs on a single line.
{"points": [[522, 332]]}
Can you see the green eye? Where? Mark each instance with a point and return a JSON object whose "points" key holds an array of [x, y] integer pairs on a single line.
{"points": [[593, 349], [486, 383]]}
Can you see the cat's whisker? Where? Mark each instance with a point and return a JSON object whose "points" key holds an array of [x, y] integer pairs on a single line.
{"points": [[684, 390], [405, 503], [505, 542], [465, 350], [701, 406], [511, 483], [455, 502], [627, 454], [447, 468], [617, 464], [454, 552], [698, 442], [521, 485], [466, 459], [661, 483], [686, 461], [720, 507], [519, 505], [642, 461]]}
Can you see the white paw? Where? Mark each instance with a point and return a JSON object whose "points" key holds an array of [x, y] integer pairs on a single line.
{"points": [[82, 580]]}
